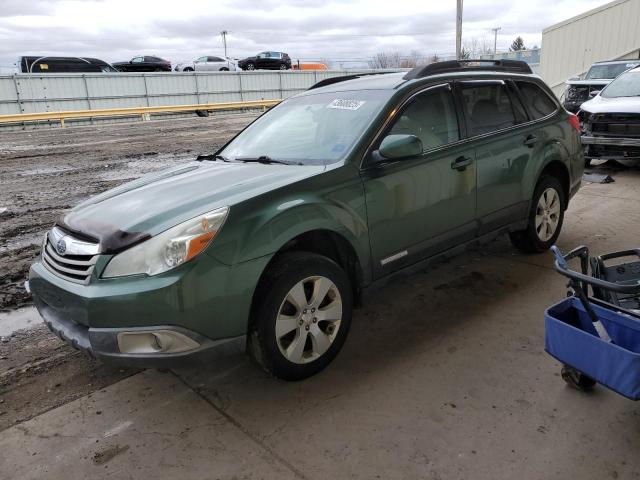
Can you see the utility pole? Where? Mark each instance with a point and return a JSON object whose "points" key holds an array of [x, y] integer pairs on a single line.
{"points": [[224, 41], [495, 40], [459, 30]]}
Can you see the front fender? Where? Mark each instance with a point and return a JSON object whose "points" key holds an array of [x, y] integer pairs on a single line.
{"points": [[333, 201]]}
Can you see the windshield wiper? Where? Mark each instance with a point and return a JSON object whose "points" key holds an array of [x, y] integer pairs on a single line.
{"points": [[213, 156], [266, 160]]}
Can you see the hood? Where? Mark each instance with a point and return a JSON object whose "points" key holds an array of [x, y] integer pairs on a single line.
{"points": [[132, 212], [601, 104], [600, 82]]}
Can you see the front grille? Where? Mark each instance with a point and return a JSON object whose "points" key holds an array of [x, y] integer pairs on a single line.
{"points": [[616, 125], [70, 266]]}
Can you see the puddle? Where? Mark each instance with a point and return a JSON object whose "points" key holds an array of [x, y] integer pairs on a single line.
{"points": [[19, 319]]}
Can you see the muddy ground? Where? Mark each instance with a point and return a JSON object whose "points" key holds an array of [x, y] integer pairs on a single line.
{"points": [[45, 172]]}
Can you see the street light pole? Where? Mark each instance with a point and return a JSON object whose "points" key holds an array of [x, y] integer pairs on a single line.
{"points": [[459, 30], [495, 40], [224, 41]]}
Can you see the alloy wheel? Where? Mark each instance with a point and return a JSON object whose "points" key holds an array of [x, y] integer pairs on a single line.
{"points": [[547, 214], [308, 319]]}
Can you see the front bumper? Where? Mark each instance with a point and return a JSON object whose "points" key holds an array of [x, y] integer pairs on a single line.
{"points": [[102, 343], [205, 301], [616, 141], [611, 148]]}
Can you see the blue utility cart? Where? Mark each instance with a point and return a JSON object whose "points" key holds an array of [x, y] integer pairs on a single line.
{"points": [[597, 336]]}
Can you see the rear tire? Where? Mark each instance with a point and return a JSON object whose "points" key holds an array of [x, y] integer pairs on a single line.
{"points": [[303, 315], [545, 217]]}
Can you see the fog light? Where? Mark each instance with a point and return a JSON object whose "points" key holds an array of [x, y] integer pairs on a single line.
{"points": [[155, 341]]}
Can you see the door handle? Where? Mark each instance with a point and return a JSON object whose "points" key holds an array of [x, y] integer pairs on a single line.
{"points": [[461, 163], [530, 141]]}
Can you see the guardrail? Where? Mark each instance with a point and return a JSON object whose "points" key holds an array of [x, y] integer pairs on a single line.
{"points": [[144, 112]]}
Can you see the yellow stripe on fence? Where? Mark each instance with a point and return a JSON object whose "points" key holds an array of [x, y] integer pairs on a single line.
{"points": [[132, 111]]}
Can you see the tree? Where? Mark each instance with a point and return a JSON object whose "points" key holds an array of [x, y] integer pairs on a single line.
{"points": [[434, 58], [517, 45], [385, 60], [465, 54]]}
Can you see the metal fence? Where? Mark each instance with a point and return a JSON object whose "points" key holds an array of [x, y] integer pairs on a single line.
{"points": [[24, 93]]}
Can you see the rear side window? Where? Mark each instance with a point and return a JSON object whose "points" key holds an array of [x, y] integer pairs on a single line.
{"points": [[430, 116], [536, 100], [488, 108]]}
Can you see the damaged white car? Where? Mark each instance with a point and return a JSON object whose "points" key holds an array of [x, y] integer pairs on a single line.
{"points": [[611, 120]]}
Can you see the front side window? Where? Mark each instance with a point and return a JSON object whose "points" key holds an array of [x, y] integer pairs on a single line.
{"points": [[627, 85], [312, 129], [430, 116], [488, 107], [201, 59], [536, 100]]}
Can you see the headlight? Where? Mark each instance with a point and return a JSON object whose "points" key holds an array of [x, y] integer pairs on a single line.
{"points": [[168, 249]]}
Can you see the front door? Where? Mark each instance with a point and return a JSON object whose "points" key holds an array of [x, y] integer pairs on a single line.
{"points": [[422, 205]]}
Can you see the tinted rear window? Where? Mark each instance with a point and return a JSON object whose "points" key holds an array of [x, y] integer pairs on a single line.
{"points": [[536, 100], [488, 108]]}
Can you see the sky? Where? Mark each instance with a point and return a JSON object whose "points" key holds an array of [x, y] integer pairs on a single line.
{"points": [[345, 33]]}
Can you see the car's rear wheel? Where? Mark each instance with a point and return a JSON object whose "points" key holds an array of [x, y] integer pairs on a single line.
{"points": [[303, 317], [224, 69], [250, 66], [545, 217]]}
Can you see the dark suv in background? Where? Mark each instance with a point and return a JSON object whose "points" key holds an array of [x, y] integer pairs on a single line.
{"points": [[144, 64], [266, 61]]}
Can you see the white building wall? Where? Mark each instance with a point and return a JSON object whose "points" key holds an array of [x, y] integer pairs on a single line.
{"points": [[609, 32]]}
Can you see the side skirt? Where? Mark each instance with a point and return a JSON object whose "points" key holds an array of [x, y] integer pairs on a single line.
{"points": [[427, 262]]}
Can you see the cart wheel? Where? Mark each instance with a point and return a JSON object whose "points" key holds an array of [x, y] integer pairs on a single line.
{"points": [[577, 379]]}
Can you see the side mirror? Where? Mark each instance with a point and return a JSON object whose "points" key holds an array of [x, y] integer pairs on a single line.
{"points": [[400, 146], [594, 93], [574, 79]]}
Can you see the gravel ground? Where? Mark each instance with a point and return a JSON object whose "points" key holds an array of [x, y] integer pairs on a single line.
{"points": [[45, 172]]}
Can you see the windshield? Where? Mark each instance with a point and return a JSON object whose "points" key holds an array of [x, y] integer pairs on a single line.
{"points": [[627, 85], [606, 72], [312, 129]]}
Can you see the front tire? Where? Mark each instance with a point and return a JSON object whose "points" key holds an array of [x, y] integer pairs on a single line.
{"points": [[250, 66], [545, 217], [303, 317]]}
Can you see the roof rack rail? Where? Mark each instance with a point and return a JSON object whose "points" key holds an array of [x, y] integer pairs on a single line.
{"points": [[512, 66], [332, 80]]}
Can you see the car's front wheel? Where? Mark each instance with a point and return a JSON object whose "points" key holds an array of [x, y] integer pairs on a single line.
{"points": [[304, 315], [545, 217], [250, 66], [283, 66]]}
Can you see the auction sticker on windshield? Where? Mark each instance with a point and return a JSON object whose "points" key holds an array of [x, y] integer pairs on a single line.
{"points": [[346, 104]]}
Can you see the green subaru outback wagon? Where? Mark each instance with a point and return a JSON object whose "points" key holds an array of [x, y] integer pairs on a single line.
{"points": [[269, 243]]}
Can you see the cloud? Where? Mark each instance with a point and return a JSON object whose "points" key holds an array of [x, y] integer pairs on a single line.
{"points": [[343, 31]]}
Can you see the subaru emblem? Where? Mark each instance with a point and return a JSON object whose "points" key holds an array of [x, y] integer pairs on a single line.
{"points": [[61, 246]]}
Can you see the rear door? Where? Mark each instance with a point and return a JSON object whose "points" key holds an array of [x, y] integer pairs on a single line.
{"points": [[422, 205], [503, 139]]}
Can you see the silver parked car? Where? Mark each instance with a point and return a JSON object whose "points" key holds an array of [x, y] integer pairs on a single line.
{"points": [[207, 63]]}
